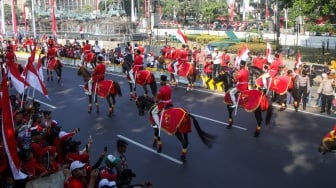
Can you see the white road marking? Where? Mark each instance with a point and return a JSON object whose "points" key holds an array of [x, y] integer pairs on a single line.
{"points": [[150, 149], [219, 122]]}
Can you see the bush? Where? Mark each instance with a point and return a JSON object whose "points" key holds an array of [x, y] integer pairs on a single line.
{"points": [[252, 46]]}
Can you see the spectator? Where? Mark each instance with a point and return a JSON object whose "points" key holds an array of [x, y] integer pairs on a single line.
{"points": [[79, 177], [208, 71], [326, 90], [200, 60], [225, 59], [121, 153], [303, 85], [217, 58]]}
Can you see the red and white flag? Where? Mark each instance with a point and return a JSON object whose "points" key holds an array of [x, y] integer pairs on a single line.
{"points": [[53, 19], [8, 132], [242, 55], [181, 37], [269, 56], [267, 14], [15, 30], [17, 80], [32, 76], [298, 61]]}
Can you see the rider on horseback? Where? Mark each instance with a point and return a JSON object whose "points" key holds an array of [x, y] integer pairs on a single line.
{"points": [[241, 78], [163, 99], [271, 71], [182, 56], [98, 74], [137, 65]]}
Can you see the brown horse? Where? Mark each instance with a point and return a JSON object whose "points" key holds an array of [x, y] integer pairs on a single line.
{"points": [[105, 89], [175, 121]]}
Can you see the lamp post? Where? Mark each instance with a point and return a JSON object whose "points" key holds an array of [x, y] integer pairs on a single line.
{"points": [[166, 37]]}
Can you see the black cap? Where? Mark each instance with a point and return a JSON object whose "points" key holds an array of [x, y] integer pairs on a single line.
{"points": [[100, 58], [46, 113], [121, 142], [163, 78]]}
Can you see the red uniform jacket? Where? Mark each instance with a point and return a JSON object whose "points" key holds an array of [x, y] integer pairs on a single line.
{"points": [[276, 65], [87, 48], [259, 63], [208, 67], [164, 97], [10, 57], [99, 72], [242, 79], [52, 52], [137, 64], [183, 56], [225, 60]]}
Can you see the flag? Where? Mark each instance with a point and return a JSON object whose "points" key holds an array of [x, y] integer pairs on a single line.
{"points": [[53, 19], [231, 11], [15, 31], [269, 56], [267, 15], [32, 76], [39, 68], [242, 55], [24, 17], [8, 132], [181, 37], [17, 80], [298, 61]]}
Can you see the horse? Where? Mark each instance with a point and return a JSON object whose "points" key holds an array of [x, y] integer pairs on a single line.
{"points": [[89, 58], [186, 69], [175, 121], [52, 64], [327, 147], [142, 78], [254, 73], [105, 89], [251, 100]]}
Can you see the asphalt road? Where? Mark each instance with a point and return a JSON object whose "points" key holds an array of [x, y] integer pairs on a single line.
{"points": [[285, 155]]}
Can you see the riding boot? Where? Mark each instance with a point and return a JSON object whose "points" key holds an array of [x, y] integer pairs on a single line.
{"points": [[257, 131], [184, 155], [229, 126], [155, 141], [159, 146]]}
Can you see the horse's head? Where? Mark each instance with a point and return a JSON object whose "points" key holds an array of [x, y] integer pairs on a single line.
{"points": [[143, 103], [82, 71]]}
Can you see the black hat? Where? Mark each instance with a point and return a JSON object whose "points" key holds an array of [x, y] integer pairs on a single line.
{"points": [[242, 63], [100, 58], [163, 78], [46, 113], [121, 143]]}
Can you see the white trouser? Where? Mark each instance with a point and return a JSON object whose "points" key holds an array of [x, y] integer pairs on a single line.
{"points": [[175, 67], [155, 115], [232, 93], [264, 78], [90, 82], [131, 75]]}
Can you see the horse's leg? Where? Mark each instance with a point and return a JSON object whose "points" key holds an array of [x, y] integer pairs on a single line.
{"points": [[183, 138], [230, 123], [157, 143], [90, 104], [111, 104], [132, 91], [97, 104], [48, 75], [258, 116], [59, 74]]}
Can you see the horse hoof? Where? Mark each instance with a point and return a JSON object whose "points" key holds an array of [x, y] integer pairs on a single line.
{"points": [[159, 150], [229, 126], [256, 134], [183, 158]]}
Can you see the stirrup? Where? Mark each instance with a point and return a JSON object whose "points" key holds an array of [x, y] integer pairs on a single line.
{"points": [[154, 125]]}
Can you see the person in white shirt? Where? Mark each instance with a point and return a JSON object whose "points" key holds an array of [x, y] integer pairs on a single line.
{"points": [[217, 60]]}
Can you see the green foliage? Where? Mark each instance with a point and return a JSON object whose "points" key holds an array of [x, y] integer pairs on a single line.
{"points": [[205, 39], [254, 47]]}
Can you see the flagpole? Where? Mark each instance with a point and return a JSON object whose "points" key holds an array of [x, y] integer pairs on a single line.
{"points": [[33, 18], [3, 30]]}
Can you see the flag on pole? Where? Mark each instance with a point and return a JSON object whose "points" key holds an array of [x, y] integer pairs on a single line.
{"points": [[242, 55], [32, 76], [298, 62], [8, 132], [17, 80], [181, 37], [269, 56], [53, 19], [267, 14], [15, 31]]}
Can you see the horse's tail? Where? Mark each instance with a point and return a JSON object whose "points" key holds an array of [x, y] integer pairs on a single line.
{"points": [[118, 89], [269, 113], [207, 139], [153, 84]]}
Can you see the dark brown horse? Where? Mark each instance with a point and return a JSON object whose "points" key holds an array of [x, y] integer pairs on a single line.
{"points": [[105, 89], [175, 121], [52, 64]]}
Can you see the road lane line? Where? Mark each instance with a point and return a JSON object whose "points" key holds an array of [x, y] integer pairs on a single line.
{"points": [[219, 122], [150, 149]]}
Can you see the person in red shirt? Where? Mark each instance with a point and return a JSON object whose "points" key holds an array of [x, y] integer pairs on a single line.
{"points": [[272, 70], [259, 62], [137, 65], [181, 57], [98, 74], [163, 99], [225, 59], [10, 57], [241, 79]]}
